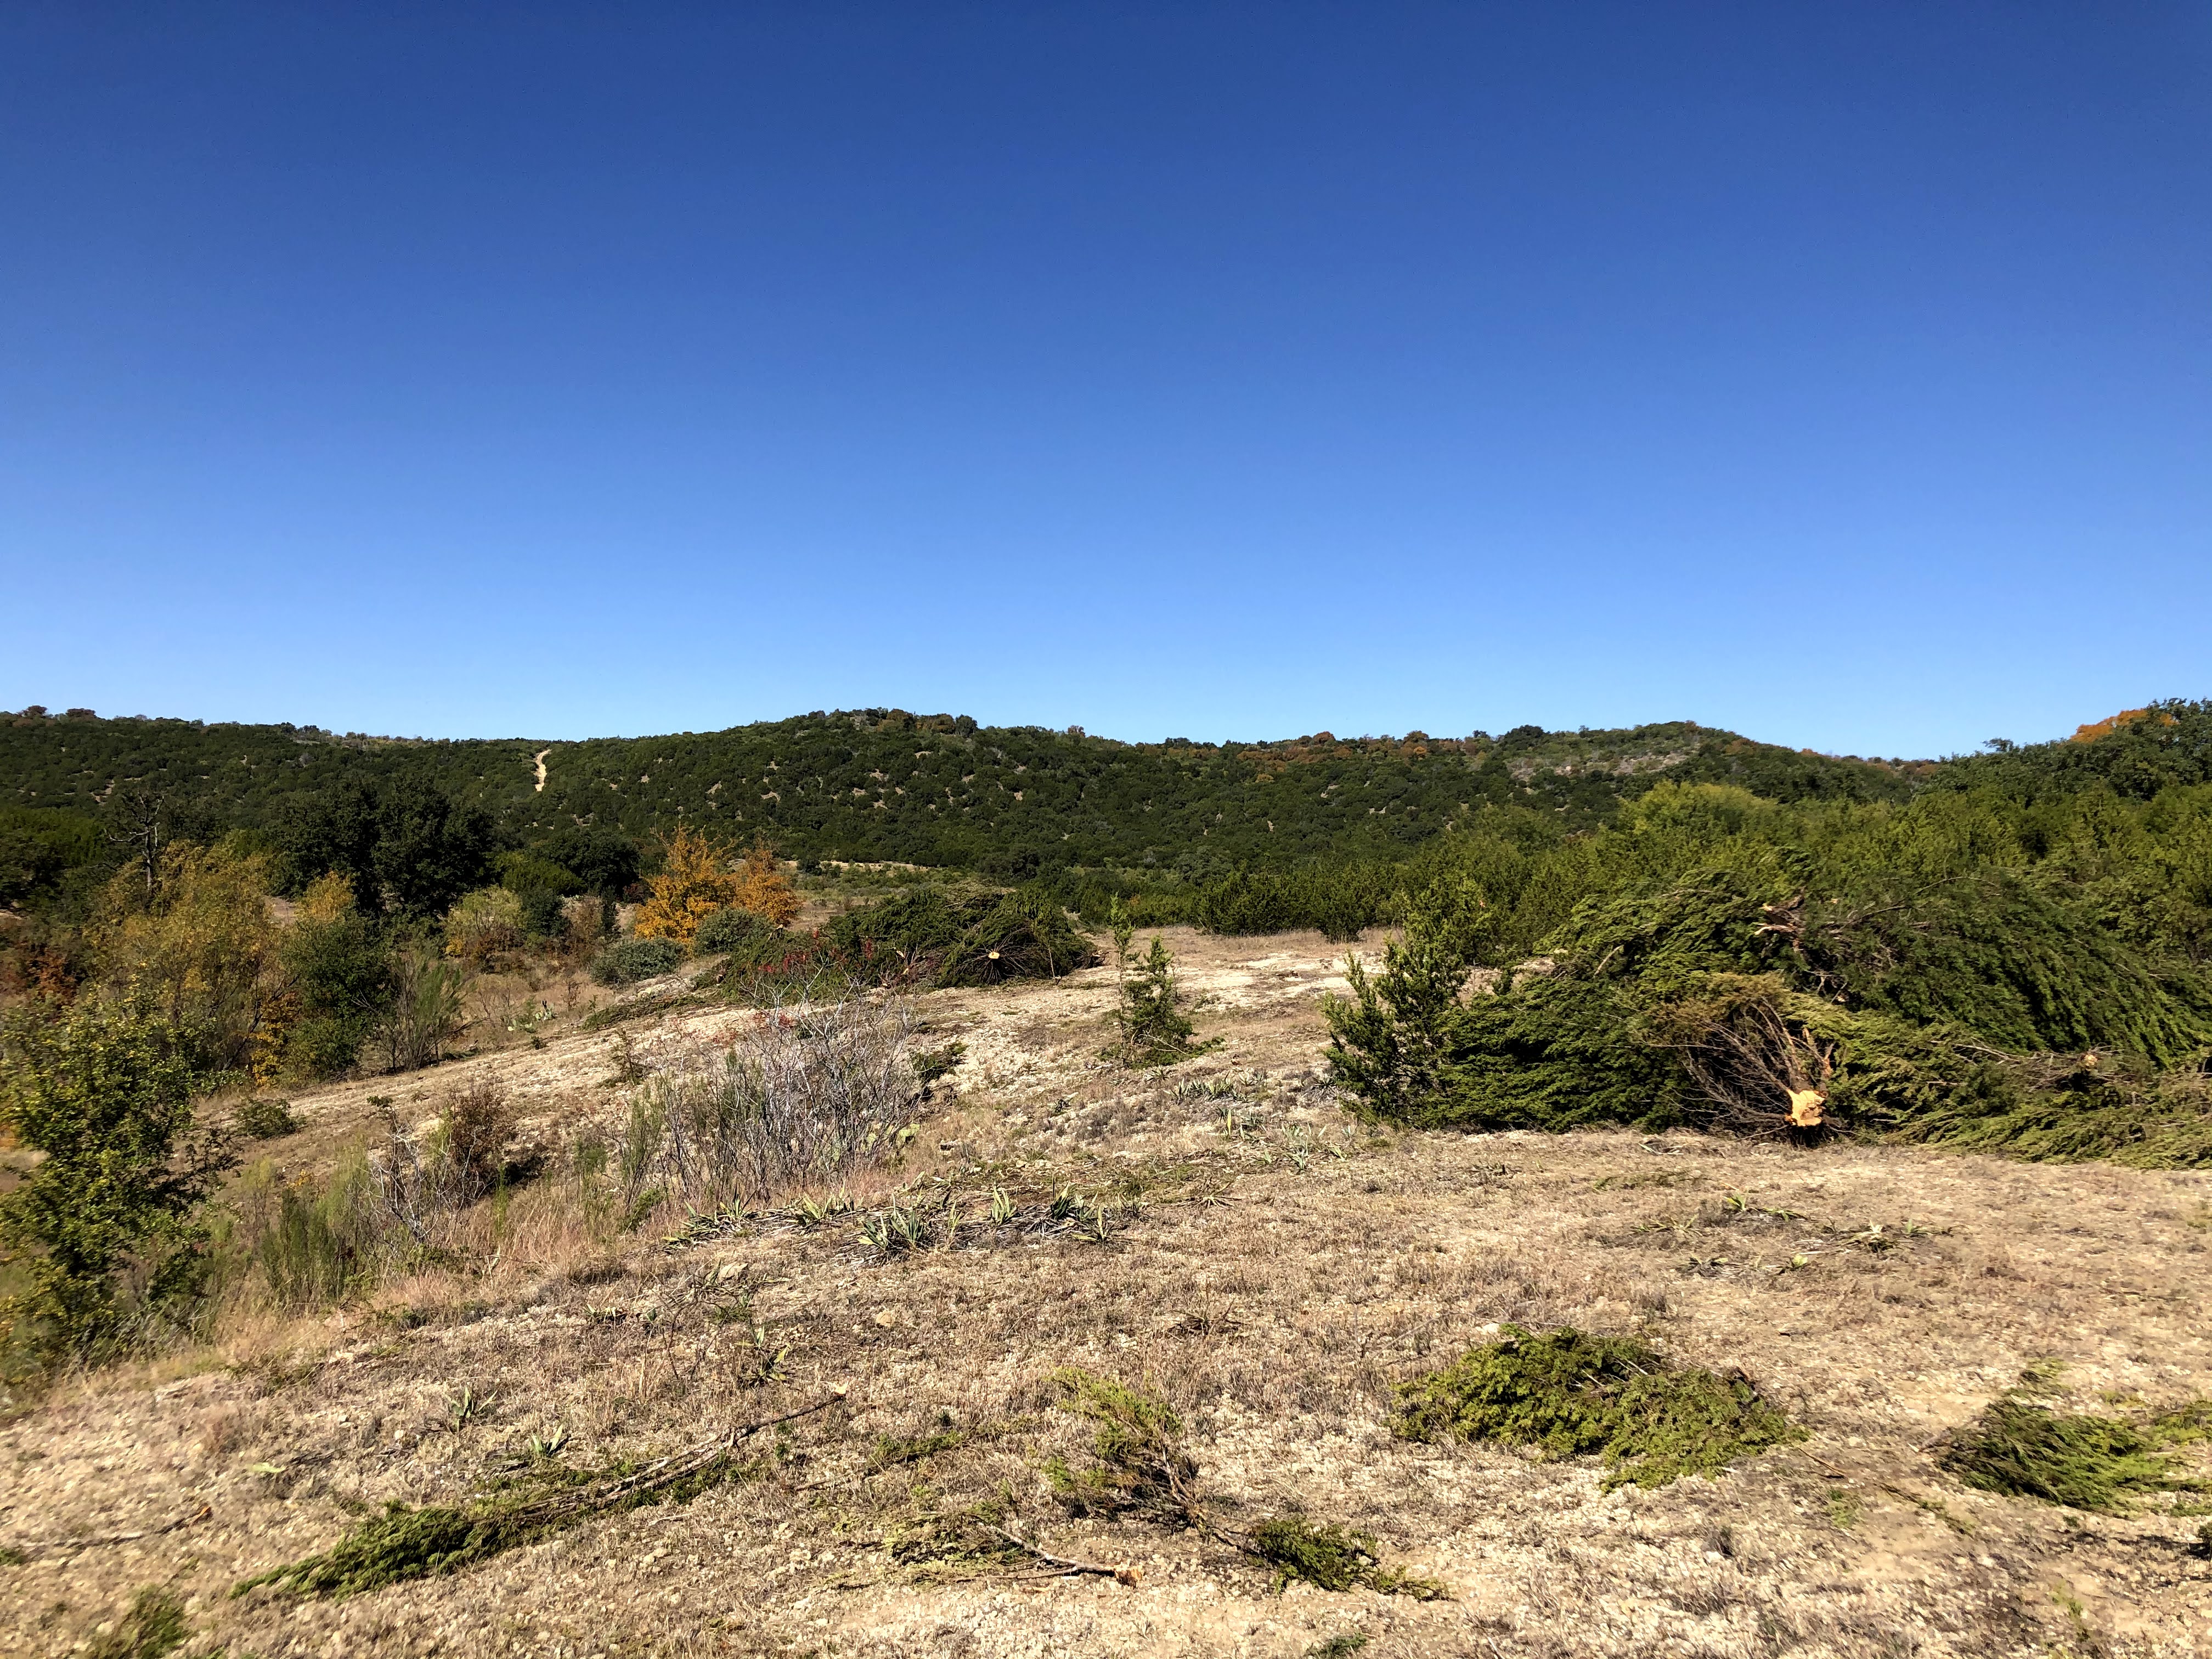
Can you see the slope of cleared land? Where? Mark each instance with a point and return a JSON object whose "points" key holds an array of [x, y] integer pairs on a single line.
{"points": [[1270, 1266]]}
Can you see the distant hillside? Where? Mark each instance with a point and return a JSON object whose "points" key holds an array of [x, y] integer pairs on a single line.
{"points": [[2135, 754], [936, 788]]}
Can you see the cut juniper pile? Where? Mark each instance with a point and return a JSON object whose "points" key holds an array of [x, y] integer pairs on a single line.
{"points": [[1723, 963], [1568, 1394], [2020, 1447]]}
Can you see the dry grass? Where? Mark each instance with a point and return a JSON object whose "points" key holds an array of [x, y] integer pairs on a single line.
{"points": [[1273, 1272]]}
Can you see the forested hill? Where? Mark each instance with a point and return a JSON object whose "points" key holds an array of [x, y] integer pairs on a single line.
{"points": [[930, 789]]}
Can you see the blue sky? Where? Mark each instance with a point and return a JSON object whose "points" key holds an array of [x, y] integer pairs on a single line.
{"points": [[1842, 376]]}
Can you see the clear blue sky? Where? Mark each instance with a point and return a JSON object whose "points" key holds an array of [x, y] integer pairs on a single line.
{"points": [[1842, 374]]}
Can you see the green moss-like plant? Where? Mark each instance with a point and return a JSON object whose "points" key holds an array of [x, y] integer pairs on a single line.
{"points": [[1570, 1394], [1329, 1557], [153, 1625], [2024, 1450]]}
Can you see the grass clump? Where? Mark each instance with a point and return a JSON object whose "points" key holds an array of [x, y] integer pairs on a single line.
{"points": [[1570, 1394], [2019, 1446], [153, 1625]]}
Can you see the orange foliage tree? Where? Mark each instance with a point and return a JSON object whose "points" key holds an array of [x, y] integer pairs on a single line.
{"points": [[695, 880], [763, 889]]}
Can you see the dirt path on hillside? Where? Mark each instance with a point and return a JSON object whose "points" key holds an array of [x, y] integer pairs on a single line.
{"points": [[1273, 1268]]}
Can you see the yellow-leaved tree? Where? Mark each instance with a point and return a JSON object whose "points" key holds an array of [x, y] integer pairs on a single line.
{"points": [[328, 898], [694, 881], [202, 945], [763, 889]]}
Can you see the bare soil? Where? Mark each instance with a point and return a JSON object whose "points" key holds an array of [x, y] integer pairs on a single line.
{"points": [[1273, 1268]]}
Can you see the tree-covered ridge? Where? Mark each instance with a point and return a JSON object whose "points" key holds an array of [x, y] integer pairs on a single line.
{"points": [[931, 789], [2134, 754]]}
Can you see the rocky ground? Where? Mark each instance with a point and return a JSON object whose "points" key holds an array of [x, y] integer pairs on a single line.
{"points": [[1243, 1249]]}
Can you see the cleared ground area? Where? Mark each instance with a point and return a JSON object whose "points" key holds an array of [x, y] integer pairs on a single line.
{"points": [[1231, 1240]]}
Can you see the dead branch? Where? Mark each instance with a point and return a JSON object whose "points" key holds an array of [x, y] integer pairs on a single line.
{"points": [[1122, 1575], [71, 1546]]}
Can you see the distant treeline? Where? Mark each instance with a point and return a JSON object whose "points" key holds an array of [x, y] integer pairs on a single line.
{"points": [[1314, 831], [883, 784]]}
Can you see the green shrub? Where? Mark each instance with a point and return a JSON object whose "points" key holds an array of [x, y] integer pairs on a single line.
{"points": [[267, 1119], [481, 923], [104, 1095], [732, 931], [1567, 1394], [533, 872], [605, 860], [544, 914], [305, 1258], [916, 928], [476, 1123], [1150, 1026], [628, 960], [425, 1014], [39, 844], [1342, 901], [342, 972]]}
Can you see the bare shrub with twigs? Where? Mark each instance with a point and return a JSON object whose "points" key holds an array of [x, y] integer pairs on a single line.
{"points": [[806, 1092]]}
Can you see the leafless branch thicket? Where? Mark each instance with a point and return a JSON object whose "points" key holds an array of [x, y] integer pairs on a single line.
{"points": [[803, 1093]]}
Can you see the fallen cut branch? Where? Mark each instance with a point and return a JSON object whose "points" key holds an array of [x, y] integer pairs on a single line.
{"points": [[1121, 1575], [71, 1546], [406, 1543]]}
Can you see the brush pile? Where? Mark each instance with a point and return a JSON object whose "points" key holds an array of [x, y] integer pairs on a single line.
{"points": [[928, 938], [1744, 968]]}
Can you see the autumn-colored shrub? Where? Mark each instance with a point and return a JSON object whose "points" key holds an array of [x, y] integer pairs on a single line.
{"points": [[694, 881], [487, 920], [197, 942], [763, 889]]}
